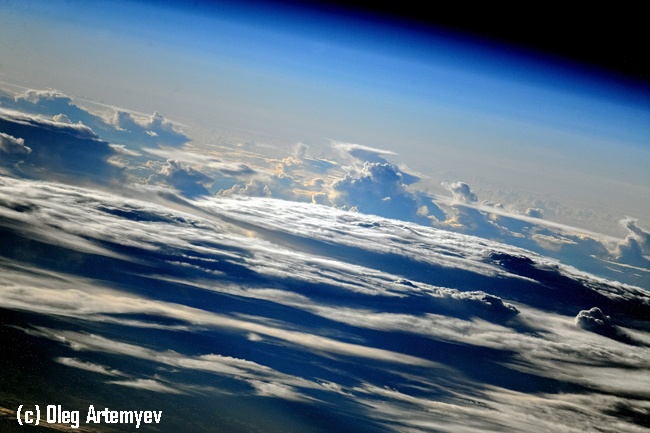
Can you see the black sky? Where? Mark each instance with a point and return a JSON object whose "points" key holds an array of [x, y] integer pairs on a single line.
{"points": [[613, 39]]}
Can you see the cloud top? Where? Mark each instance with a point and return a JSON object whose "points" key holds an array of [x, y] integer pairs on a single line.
{"points": [[460, 191], [593, 320], [12, 145]]}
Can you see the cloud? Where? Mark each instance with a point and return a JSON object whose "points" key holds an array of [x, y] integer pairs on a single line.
{"points": [[402, 256], [122, 128], [229, 178], [12, 145], [254, 188], [592, 252], [261, 184], [460, 191], [497, 211], [42, 96], [189, 181], [369, 154], [462, 214], [69, 150], [206, 162], [61, 118], [277, 390], [88, 366], [233, 169], [247, 145], [147, 384], [629, 252], [121, 148], [641, 236], [634, 250], [365, 153], [300, 150], [154, 129], [77, 130], [596, 321], [97, 304], [534, 212], [379, 190], [53, 103], [498, 410], [123, 120], [321, 198], [593, 320], [406, 326]]}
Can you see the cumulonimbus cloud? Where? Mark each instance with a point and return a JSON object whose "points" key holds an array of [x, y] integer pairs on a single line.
{"points": [[379, 190], [70, 150]]}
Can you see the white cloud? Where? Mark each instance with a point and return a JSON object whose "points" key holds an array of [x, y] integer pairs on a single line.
{"points": [[40, 96], [360, 151], [277, 390], [12, 145], [61, 118], [156, 126], [500, 211], [254, 188], [306, 259], [635, 248], [534, 212], [460, 191], [76, 130], [379, 190], [300, 150], [88, 366], [593, 319], [96, 303], [642, 236], [57, 150], [147, 384], [188, 180], [121, 148]]}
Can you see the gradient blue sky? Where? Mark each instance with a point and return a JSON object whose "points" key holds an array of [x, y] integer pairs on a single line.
{"points": [[447, 104]]}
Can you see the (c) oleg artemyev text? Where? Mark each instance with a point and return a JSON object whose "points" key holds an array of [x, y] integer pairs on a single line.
{"points": [[55, 415]]}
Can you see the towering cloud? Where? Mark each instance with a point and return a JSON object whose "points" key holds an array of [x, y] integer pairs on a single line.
{"points": [[122, 128], [56, 149], [152, 130], [13, 146], [186, 179], [363, 154], [460, 191], [593, 320], [379, 190], [53, 103], [634, 250], [642, 236]]}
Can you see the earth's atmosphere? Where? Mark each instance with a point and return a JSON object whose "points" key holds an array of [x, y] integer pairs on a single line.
{"points": [[339, 224]]}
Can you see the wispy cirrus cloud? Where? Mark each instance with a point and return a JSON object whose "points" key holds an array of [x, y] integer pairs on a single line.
{"points": [[88, 366]]}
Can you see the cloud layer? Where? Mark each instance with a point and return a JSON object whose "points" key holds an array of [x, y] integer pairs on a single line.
{"points": [[386, 325], [192, 284]]}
